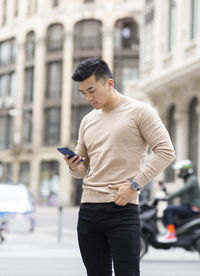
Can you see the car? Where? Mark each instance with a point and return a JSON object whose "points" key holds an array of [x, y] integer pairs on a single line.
{"points": [[17, 202]]}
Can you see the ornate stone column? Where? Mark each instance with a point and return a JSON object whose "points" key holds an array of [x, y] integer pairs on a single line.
{"points": [[39, 91], [19, 96], [181, 117], [38, 114], [108, 46], [65, 177]]}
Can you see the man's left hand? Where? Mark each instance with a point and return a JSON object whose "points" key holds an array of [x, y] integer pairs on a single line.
{"points": [[124, 195]]}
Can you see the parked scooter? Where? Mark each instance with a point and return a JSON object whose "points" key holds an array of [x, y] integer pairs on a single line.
{"points": [[187, 230]]}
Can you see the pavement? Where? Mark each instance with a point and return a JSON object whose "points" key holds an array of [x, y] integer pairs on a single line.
{"points": [[42, 254]]}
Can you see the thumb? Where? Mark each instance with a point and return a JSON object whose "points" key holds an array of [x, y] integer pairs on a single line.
{"points": [[116, 186]]}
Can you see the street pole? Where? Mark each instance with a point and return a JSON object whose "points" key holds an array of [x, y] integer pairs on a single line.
{"points": [[60, 209]]}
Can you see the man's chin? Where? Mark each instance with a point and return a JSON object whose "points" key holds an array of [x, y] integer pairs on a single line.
{"points": [[96, 106]]}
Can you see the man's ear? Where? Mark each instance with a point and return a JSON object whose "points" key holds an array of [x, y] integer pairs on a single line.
{"points": [[110, 83]]}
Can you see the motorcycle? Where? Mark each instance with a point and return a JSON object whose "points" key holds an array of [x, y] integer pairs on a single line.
{"points": [[187, 230]]}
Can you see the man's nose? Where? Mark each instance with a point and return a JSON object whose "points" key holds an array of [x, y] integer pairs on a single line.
{"points": [[89, 97]]}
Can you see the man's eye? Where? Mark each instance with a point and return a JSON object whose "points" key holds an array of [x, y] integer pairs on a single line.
{"points": [[92, 91]]}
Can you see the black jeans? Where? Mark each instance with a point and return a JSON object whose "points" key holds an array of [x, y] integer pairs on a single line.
{"points": [[108, 232]]}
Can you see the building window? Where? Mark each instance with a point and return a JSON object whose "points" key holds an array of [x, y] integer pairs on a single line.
{"points": [[24, 173], [29, 81], [54, 80], [78, 112], [126, 34], [88, 35], [6, 130], [49, 183], [27, 118], [169, 172], [125, 70], [8, 172], [30, 45], [7, 89], [7, 52], [148, 35], [194, 16], [55, 3], [171, 24], [52, 123], [55, 38], [193, 133]]}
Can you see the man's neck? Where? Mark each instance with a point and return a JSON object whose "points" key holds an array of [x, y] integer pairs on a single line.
{"points": [[113, 101]]}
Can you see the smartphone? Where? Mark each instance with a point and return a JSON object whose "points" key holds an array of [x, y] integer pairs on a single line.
{"points": [[65, 150]]}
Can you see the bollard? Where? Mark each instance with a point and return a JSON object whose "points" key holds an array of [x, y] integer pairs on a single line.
{"points": [[60, 209]]}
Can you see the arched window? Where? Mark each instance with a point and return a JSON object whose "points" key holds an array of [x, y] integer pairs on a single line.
{"points": [[126, 52], [55, 38], [126, 34], [171, 125], [87, 35], [193, 132]]}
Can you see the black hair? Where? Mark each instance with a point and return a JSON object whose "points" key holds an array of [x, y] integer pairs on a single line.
{"points": [[91, 66]]}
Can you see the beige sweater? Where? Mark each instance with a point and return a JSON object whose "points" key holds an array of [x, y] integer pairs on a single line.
{"points": [[115, 145]]}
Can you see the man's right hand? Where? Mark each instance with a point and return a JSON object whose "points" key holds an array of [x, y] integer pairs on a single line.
{"points": [[73, 162]]}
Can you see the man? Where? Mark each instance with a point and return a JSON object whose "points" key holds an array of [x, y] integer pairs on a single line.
{"points": [[113, 142], [190, 199]]}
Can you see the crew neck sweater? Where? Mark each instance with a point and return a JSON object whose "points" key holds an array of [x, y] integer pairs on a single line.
{"points": [[115, 144]]}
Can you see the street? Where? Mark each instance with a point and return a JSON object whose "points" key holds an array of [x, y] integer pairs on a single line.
{"points": [[41, 254]]}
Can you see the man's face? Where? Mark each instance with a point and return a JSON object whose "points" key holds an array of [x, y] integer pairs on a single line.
{"points": [[96, 92]]}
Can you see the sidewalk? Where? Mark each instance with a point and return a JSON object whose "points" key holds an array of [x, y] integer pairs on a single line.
{"points": [[173, 254]]}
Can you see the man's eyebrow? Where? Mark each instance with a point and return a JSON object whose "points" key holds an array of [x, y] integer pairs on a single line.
{"points": [[91, 87]]}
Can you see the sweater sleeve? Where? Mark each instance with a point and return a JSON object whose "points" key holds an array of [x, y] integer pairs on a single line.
{"points": [[156, 136], [81, 150]]}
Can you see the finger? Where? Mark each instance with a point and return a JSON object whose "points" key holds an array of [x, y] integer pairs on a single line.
{"points": [[75, 162], [66, 157], [120, 203], [72, 160], [113, 186]]}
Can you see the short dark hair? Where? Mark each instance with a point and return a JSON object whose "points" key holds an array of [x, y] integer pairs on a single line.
{"points": [[91, 66]]}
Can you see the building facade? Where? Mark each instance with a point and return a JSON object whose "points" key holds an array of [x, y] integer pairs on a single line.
{"points": [[170, 70], [41, 42]]}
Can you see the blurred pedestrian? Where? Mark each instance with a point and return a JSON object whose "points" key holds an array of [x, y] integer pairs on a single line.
{"points": [[113, 141], [190, 199]]}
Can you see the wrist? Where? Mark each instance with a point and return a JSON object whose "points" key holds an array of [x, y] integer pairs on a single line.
{"points": [[134, 185]]}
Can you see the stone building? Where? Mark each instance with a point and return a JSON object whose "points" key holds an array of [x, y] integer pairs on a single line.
{"points": [[41, 42], [170, 73], [170, 70]]}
